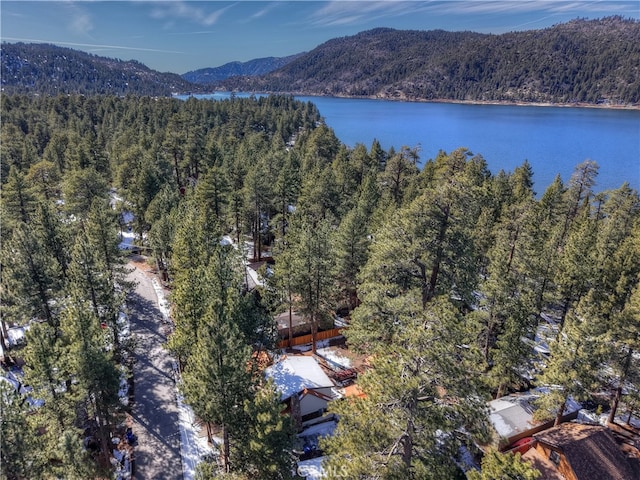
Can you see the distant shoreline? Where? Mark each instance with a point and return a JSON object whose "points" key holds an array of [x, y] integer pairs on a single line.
{"points": [[606, 106], [488, 102]]}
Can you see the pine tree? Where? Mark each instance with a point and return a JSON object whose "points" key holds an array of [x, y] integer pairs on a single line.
{"points": [[92, 367], [347, 172], [266, 450], [571, 371], [18, 199], [190, 298], [71, 459], [47, 373], [286, 190], [549, 213], [45, 178], [309, 262], [351, 246], [396, 177], [504, 466], [427, 245], [30, 278], [422, 382], [507, 305], [51, 229], [575, 271], [257, 199], [90, 280], [80, 188], [20, 457], [352, 240], [623, 341], [216, 377], [212, 191]]}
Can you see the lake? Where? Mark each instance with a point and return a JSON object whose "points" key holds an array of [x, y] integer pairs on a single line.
{"points": [[553, 139]]}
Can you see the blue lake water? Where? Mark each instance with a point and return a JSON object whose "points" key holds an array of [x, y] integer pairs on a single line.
{"points": [[553, 139]]}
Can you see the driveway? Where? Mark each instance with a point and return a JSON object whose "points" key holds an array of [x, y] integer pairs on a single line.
{"points": [[155, 412]]}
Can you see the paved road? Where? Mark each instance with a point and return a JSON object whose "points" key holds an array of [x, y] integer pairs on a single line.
{"points": [[155, 412]]}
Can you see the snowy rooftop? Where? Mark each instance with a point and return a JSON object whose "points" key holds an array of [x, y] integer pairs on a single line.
{"points": [[295, 373], [513, 414], [510, 416]]}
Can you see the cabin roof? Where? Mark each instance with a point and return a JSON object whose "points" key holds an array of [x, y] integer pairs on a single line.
{"points": [[296, 373], [590, 450]]}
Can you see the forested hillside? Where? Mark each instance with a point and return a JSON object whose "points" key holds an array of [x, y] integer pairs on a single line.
{"points": [[443, 272], [595, 61], [258, 66], [51, 70]]}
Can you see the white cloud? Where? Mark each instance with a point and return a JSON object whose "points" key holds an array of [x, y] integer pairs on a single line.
{"points": [[80, 21], [354, 12], [265, 10], [82, 24], [541, 6], [196, 12]]}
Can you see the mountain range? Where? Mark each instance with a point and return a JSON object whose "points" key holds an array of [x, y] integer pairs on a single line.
{"points": [[590, 61], [582, 61], [252, 68]]}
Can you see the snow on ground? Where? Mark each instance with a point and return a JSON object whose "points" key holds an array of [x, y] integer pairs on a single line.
{"points": [[126, 239], [16, 335], [227, 240], [311, 469], [163, 303], [123, 388], [15, 378], [635, 421], [248, 248], [334, 357], [127, 217], [254, 276]]}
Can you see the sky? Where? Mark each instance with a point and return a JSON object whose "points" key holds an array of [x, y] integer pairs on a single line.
{"points": [[180, 36]]}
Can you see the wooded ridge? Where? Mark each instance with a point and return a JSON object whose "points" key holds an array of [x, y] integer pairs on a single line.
{"points": [[51, 70], [590, 61], [255, 67]]}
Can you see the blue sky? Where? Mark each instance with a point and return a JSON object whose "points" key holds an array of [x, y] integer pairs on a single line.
{"points": [[179, 36]]}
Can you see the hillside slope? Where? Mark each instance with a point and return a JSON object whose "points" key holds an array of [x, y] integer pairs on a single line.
{"points": [[591, 61], [49, 69], [255, 67]]}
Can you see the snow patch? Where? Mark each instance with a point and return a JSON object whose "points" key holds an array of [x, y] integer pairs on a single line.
{"points": [[334, 357]]}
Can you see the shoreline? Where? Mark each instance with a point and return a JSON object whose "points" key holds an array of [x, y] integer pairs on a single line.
{"points": [[607, 106], [484, 102]]}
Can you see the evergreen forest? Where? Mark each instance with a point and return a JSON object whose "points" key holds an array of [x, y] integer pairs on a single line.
{"points": [[444, 270]]}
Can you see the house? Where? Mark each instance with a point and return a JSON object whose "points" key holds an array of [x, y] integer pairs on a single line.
{"points": [[304, 387], [574, 451], [512, 416]]}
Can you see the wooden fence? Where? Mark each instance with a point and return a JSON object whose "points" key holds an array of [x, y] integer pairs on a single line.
{"points": [[305, 339]]}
